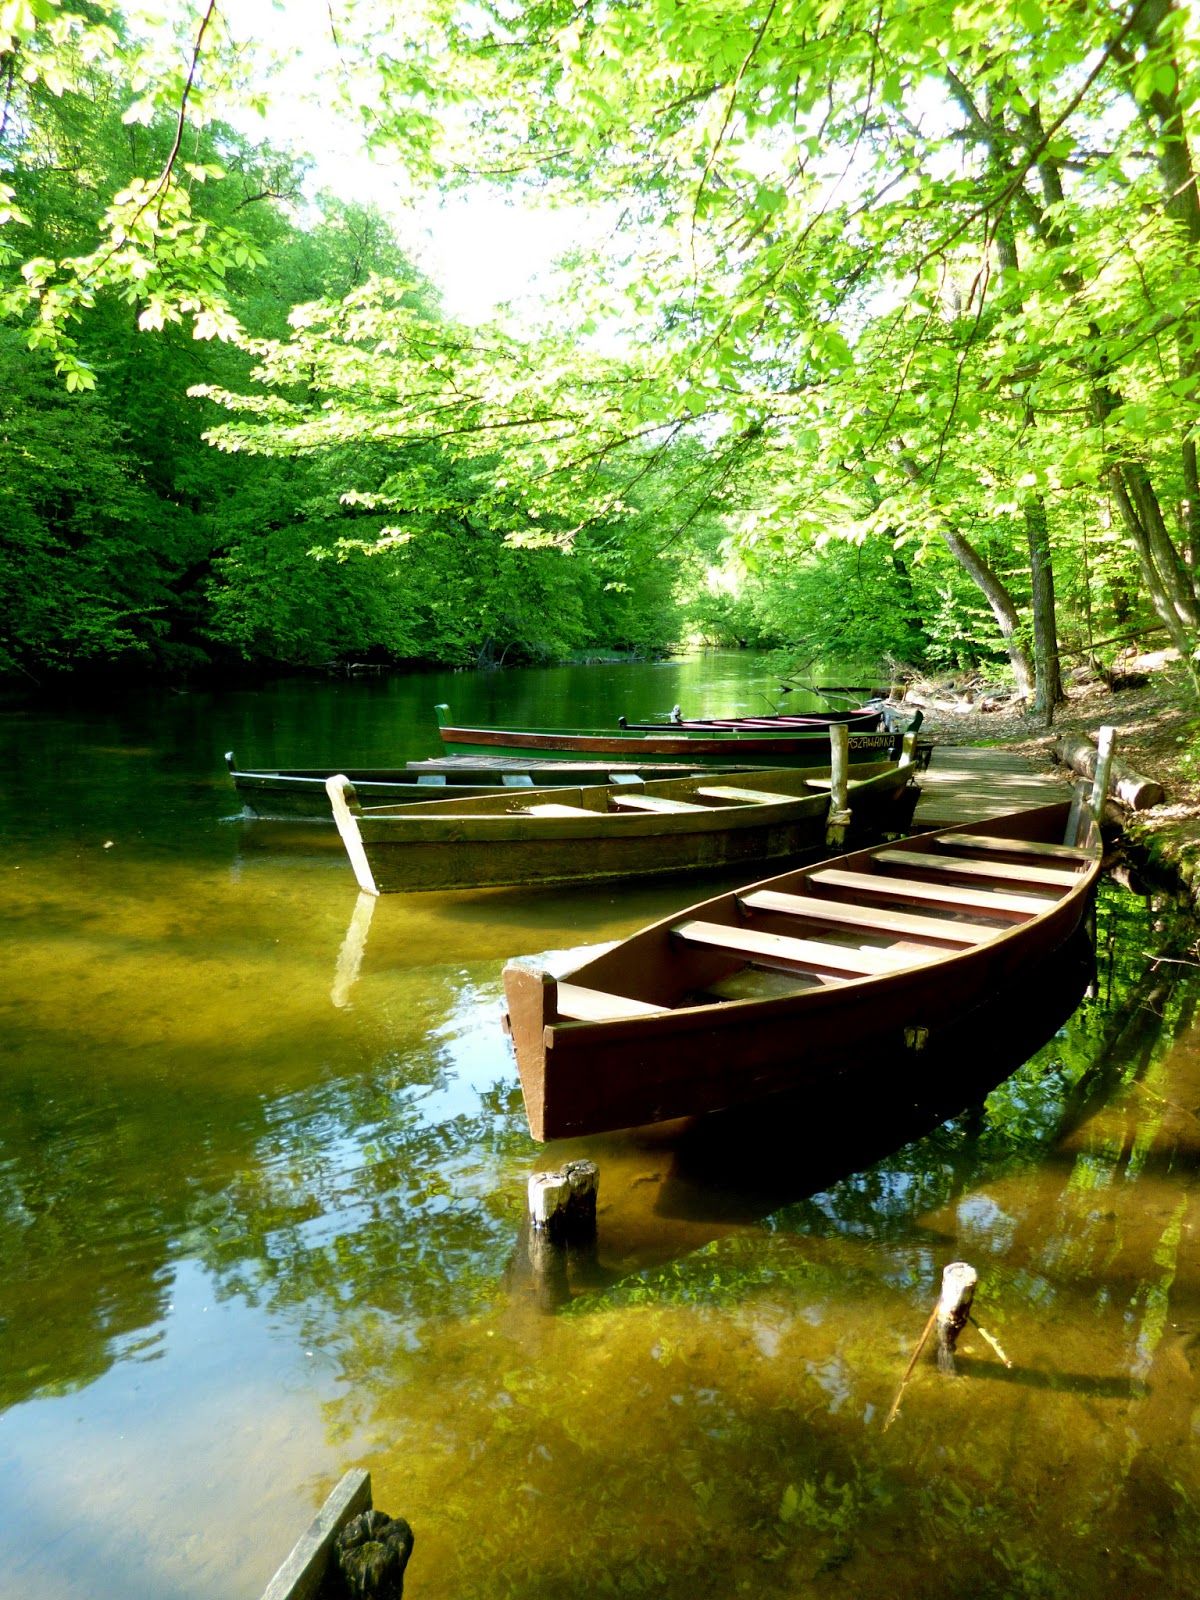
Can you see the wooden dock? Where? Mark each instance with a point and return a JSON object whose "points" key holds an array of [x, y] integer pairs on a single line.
{"points": [[970, 783]]}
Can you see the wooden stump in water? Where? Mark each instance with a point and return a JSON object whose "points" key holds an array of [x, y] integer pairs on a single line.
{"points": [[953, 1309], [563, 1203], [547, 1263], [372, 1553]]}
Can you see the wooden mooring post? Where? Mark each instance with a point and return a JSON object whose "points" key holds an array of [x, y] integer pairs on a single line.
{"points": [[562, 1204], [949, 1317], [1104, 761], [838, 820], [559, 1236], [953, 1309]]}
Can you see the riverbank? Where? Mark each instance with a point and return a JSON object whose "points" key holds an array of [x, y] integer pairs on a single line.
{"points": [[1158, 735]]}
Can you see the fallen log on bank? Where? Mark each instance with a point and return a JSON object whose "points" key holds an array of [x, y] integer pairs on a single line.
{"points": [[1129, 788]]}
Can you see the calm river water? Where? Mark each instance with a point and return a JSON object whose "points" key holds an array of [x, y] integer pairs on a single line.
{"points": [[263, 1164]]}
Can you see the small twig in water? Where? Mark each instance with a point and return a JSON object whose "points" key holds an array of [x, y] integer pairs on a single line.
{"points": [[908, 1371], [995, 1343]]}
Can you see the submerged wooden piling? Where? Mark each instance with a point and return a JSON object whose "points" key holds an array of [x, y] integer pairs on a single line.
{"points": [[562, 1204], [953, 1309], [949, 1316], [560, 1229]]}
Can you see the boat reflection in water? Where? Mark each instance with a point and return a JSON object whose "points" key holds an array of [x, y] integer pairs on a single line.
{"points": [[672, 1188]]}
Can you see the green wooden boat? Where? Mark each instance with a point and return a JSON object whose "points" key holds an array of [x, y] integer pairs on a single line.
{"points": [[612, 831]]}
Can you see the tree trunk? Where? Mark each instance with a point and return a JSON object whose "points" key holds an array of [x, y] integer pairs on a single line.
{"points": [[1183, 205], [1049, 689], [1168, 577], [1047, 675], [990, 583]]}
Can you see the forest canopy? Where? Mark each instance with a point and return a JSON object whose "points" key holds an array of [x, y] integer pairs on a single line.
{"points": [[889, 349]]}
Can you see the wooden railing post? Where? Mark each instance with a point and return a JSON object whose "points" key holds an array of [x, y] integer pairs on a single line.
{"points": [[1104, 761]]}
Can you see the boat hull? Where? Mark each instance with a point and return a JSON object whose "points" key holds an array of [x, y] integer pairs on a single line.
{"points": [[765, 749], [493, 843], [300, 791], [580, 1076]]}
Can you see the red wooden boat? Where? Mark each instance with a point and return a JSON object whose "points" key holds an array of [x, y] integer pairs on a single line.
{"points": [[832, 972], [771, 743]]}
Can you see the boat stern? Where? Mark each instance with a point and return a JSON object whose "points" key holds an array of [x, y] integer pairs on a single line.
{"points": [[530, 1006]]}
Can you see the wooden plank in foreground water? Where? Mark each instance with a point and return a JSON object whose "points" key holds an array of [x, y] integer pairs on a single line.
{"points": [[301, 1575]]}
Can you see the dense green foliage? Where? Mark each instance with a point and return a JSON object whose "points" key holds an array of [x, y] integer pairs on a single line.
{"points": [[127, 541], [892, 346]]}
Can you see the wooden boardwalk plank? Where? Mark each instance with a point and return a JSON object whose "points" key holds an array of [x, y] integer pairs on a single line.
{"points": [[970, 783]]}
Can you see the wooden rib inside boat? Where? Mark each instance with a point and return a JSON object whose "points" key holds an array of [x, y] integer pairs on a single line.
{"points": [[820, 973]]}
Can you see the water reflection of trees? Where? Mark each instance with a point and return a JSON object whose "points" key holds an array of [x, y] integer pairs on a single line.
{"points": [[380, 1192]]}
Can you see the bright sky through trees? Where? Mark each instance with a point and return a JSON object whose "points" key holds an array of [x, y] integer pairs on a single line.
{"points": [[482, 249]]}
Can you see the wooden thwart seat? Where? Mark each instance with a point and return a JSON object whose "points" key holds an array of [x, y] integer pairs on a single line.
{"points": [[652, 802], [595, 1005], [873, 918], [955, 896], [1014, 847], [815, 955], [757, 796], [1051, 877]]}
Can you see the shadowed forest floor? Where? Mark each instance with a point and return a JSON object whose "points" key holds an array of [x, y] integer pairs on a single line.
{"points": [[1156, 719]]}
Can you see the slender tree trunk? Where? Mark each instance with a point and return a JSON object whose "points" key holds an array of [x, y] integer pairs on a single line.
{"points": [[1049, 688], [1000, 601], [1172, 594], [1045, 672], [989, 582]]}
